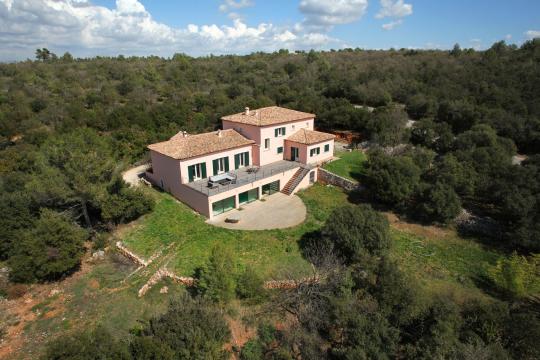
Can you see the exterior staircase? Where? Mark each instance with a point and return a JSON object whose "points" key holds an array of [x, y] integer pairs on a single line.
{"points": [[295, 180]]}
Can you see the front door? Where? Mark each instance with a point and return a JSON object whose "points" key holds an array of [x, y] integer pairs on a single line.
{"points": [[294, 153]]}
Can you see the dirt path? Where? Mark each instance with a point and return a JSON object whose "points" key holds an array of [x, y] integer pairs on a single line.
{"points": [[132, 176]]}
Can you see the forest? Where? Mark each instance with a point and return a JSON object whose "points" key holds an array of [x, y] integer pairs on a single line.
{"points": [[69, 127]]}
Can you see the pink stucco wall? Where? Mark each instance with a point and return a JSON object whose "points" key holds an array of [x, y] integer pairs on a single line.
{"points": [[259, 134], [323, 156], [305, 183], [207, 159]]}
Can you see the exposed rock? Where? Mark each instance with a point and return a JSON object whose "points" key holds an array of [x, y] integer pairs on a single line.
{"points": [[164, 290], [98, 255]]}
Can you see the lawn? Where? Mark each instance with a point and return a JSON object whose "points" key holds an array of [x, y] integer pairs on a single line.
{"points": [[270, 252], [350, 164]]}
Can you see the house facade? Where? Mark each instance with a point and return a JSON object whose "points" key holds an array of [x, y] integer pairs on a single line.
{"points": [[258, 152]]}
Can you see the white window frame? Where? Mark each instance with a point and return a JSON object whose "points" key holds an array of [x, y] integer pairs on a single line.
{"points": [[197, 171], [281, 131], [314, 151], [221, 165], [267, 144], [242, 158]]}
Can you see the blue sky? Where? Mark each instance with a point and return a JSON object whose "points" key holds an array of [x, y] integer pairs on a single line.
{"points": [[200, 27]]}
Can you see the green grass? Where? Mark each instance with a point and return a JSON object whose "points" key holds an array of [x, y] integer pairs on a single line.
{"points": [[350, 164], [269, 252]]}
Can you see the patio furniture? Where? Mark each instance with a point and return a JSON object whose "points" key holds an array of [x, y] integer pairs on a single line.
{"points": [[252, 170], [222, 179]]}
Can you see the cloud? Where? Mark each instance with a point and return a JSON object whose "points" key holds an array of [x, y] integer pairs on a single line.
{"points": [[325, 14], [532, 34], [508, 37], [229, 5], [391, 25], [476, 44], [85, 29], [395, 9]]}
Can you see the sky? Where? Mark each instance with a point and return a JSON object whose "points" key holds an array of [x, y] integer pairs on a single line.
{"points": [[89, 28]]}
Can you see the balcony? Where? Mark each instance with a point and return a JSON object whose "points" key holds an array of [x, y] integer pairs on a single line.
{"points": [[244, 177]]}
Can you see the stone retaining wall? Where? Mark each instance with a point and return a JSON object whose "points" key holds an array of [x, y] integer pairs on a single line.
{"points": [[134, 257], [328, 177]]}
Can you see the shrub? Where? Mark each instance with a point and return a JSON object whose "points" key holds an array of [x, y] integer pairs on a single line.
{"points": [[252, 350], [515, 275], [439, 203], [356, 231], [217, 276], [126, 205], [16, 291], [192, 329], [250, 285], [52, 249]]}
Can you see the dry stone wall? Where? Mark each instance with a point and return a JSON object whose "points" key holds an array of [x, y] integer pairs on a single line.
{"points": [[328, 177]]}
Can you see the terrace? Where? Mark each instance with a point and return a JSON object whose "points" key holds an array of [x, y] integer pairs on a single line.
{"points": [[244, 176]]}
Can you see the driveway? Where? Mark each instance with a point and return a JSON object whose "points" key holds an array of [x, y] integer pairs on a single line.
{"points": [[133, 175], [279, 211]]}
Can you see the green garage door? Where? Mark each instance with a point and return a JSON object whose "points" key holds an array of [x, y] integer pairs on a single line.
{"points": [[270, 188], [248, 196], [219, 207]]}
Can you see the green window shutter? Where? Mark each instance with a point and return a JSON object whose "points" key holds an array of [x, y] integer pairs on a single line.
{"points": [[226, 164], [284, 128], [203, 167], [236, 161], [191, 172], [326, 148], [276, 132], [247, 159], [215, 166]]}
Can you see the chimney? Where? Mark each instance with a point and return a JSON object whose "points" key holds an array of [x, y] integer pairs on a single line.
{"points": [[185, 134], [247, 110], [219, 133]]}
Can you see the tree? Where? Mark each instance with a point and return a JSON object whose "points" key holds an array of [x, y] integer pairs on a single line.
{"points": [[51, 249], [438, 202], [392, 180], [250, 285], [192, 329], [515, 275], [217, 277], [356, 232]]}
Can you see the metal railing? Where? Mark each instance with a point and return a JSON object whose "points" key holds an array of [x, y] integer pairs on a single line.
{"points": [[242, 178]]}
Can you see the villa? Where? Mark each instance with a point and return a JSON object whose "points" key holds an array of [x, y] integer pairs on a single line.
{"points": [[258, 153]]}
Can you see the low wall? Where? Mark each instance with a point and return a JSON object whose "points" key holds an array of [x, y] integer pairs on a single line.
{"points": [[328, 177]]}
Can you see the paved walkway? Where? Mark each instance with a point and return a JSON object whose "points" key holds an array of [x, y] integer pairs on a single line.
{"points": [[133, 175], [277, 212]]}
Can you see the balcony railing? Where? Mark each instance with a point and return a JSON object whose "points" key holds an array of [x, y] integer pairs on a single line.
{"points": [[244, 177]]}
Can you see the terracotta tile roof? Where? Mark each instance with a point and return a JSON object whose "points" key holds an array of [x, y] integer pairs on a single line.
{"points": [[308, 137], [268, 116], [184, 147]]}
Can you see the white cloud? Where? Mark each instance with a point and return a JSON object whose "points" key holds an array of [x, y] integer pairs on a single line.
{"points": [[532, 34], [86, 29], [325, 14], [508, 37], [476, 44], [229, 5], [392, 24], [395, 9]]}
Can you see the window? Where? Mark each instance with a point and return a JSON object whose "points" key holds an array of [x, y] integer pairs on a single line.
{"points": [[279, 131], [327, 148], [280, 150], [197, 172], [266, 144], [314, 151], [241, 160], [220, 165]]}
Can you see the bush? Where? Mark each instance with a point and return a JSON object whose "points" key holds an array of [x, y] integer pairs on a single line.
{"points": [[192, 329], [217, 277], [356, 231], [126, 205], [252, 350], [438, 203], [515, 275], [392, 180], [98, 344], [50, 250], [250, 285], [16, 291]]}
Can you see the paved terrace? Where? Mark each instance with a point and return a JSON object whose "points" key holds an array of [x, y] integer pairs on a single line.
{"points": [[243, 177]]}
